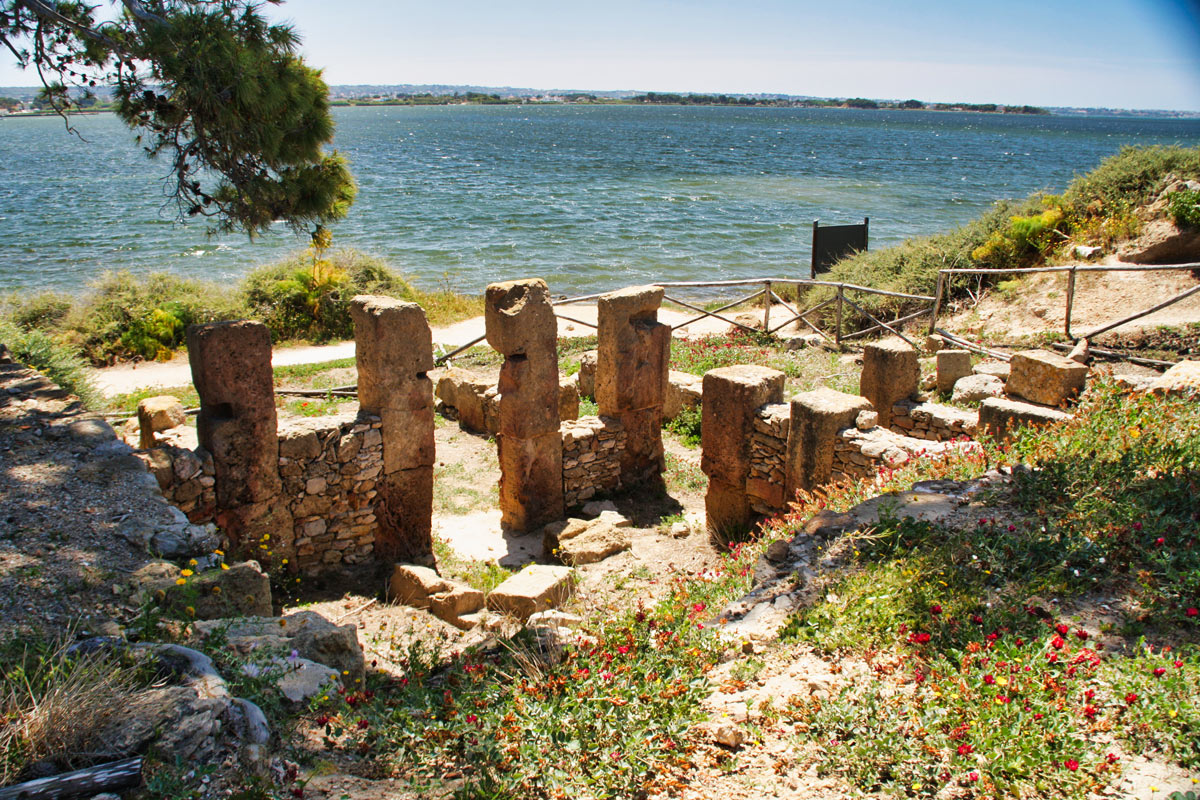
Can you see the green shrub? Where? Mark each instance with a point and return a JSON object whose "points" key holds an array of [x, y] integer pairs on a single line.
{"points": [[1185, 208], [44, 310], [1130, 178], [134, 316], [687, 425], [56, 361]]}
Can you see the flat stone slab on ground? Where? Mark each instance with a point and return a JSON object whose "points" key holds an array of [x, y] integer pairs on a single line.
{"points": [[1179, 379], [1044, 377], [536, 588]]}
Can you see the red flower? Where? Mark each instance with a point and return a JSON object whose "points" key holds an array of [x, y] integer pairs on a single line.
{"points": [[363, 724], [1160, 541], [322, 720], [472, 719], [965, 749], [1160, 671], [989, 679], [1062, 629], [973, 776], [1131, 698], [1058, 642], [919, 638], [1178, 665], [978, 620], [623, 649], [1193, 612], [1071, 764], [935, 610], [1111, 758], [1039, 715], [1081, 635], [1003, 699], [1090, 712]]}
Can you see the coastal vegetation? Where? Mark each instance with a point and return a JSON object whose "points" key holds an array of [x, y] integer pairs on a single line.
{"points": [[1097, 208], [305, 297]]}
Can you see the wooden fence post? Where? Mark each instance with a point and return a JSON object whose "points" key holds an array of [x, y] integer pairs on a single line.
{"points": [[937, 301], [837, 333], [767, 308], [1070, 301]]}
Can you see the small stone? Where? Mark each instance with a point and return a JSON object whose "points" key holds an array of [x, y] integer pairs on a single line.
{"points": [[866, 420], [728, 735]]}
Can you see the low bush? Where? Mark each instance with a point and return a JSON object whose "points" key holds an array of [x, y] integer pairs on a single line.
{"points": [[58, 362], [1185, 208]]}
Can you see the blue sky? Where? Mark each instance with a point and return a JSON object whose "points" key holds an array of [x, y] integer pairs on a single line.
{"points": [[1117, 53]]}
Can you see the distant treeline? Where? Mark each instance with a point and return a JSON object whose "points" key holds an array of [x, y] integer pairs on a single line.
{"points": [[853, 102], [427, 99]]}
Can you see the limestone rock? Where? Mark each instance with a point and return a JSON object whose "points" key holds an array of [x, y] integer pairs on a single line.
{"points": [[747, 319], [680, 530], [536, 588], [728, 735], [301, 679], [312, 637], [1040, 376], [587, 374], [973, 388], [866, 420], [413, 585], [1162, 242], [243, 589], [158, 414], [568, 400], [519, 318], [1079, 352], [1182, 378], [598, 507], [597, 543], [452, 605], [998, 416], [684, 390], [952, 365], [890, 372]]}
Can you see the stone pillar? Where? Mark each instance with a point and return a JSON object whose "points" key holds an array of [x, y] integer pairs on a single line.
{"points": [[732, 396], [231, 370], [394, 353], [890, 372], [632, 366], [520, 324], [817, 416]]}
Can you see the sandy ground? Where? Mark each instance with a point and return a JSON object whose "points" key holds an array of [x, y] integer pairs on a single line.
{"points": [[127, 378]]}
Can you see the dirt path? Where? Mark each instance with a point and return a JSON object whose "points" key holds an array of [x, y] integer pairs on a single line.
{"points": [[126, 378]]}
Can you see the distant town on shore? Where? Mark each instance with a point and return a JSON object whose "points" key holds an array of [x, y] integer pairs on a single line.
{"points": [[27, 100]]}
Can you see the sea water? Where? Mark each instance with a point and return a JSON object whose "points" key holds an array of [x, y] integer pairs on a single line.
{"points": [[588, 197]]}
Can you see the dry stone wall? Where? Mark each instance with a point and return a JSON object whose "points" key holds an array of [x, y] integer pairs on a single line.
{"points": [[331, 468], [593, 448], [768, 458], [932, 421]]}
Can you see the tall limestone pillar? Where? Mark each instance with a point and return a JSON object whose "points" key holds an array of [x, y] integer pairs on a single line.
{"points": [[231, 370], [632, 366], [394, 353], [520, 325]]}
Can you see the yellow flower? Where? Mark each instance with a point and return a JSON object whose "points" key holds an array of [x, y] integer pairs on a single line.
{"points": [[191, 612], [193, 562], [187, 573], [224, 565], [216, 590], [218, 552], [180, 581], [1134, 432], [1002, 681], [284, 561]]}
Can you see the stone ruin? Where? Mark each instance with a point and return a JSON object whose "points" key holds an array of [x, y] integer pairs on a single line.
{"points": [[758, 451], [350, 488]]}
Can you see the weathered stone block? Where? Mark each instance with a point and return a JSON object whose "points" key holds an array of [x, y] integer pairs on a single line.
{"points": [[519, 319], [684, 390], [157, 414], [998, 416], [408, 440], [1000, 369], [451, 605], [817, 416], [642, 458], [732, 396], [531, 487], [393, 346], [536, 588], [1040, 376], [952, 365], [587, 374], [633, 357], [529, 395], [890, 372], [231, 370], [568, 400]]}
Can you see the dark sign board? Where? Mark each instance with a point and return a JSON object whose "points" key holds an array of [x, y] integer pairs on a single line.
{"points": [[831, 243]]}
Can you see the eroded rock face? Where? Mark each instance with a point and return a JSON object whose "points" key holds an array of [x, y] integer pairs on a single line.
{"points": [[890, 372], [310, 635], [973, 388], [1040, 376], [1162, 242]]}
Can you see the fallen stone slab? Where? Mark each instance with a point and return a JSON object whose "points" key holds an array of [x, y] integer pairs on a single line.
{"points": [[576, 541], [1182, 378], [538, 587], [998, 417], [951, 366], [1040, 376], [1001, 369]]}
